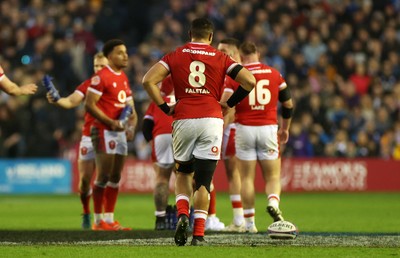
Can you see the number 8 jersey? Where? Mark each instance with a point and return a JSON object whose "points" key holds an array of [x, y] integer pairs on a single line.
{"points": [[260, 106], [198, 71]]}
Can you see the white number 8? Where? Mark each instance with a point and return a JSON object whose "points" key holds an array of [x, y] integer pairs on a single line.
{"points": [[197, 69]]}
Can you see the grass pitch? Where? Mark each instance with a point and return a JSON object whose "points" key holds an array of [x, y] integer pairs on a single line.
{"points": [[330, 224]]}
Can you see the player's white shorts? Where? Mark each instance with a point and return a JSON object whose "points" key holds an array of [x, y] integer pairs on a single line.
{"points": [[86, 151], [257, 142], [162, 151], [228, 142], [110, 142], [200, 138]]}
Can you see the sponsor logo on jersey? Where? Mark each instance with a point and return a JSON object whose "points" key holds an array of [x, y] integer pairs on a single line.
{"points": [[84, 151], [199, 52], [215, 150], [95, 80], [111, 144], [261, 71]]}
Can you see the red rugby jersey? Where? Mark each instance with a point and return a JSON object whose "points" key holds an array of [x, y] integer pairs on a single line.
{"points": [[162, 122], [81, 89], [197, 71], [260, 106], [114, 90]]}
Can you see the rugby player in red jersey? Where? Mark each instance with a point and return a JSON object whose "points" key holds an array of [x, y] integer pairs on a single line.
{"points": [[258, 136], [108, 94], [230, 46], [13, 89], [86, 163], [198, 72], [157, 129]]}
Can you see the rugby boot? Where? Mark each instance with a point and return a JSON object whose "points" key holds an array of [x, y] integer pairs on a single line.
{"points": [[181, 231], [102, 226], [275, 213], [161, 223], [116, 226], [235, 228], [86, 224], [199, 241]]}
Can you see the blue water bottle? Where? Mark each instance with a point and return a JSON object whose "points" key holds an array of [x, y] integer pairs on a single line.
{"points": [[125, 114]]}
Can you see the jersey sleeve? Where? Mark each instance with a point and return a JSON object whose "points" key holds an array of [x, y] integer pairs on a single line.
{"points": [[97, 85], [281, 81], [165, 61], [82, 88], [1, 73]]}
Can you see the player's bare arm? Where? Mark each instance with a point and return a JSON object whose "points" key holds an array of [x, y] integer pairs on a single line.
{"points": [[13, 89], [229, 113], [247, 83], [72, 101], [132, 122], [91, 107], [155, 75]]}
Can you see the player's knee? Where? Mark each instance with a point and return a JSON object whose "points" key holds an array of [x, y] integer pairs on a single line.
{"points": [[185, 167], [204, 171]]}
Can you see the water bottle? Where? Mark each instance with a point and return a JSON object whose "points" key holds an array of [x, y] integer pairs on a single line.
{"points": [[48, 84], [125, 114]]}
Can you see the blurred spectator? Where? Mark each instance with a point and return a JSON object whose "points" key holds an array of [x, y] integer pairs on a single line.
{"points": [[341, 59]]}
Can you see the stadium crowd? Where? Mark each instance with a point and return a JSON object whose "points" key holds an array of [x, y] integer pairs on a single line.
{"points": [[340, 59]]}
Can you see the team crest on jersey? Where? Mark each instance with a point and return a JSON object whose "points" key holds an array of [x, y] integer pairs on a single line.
{"points": [[111, 144], [95, 80], [84, 151], [215, 150]]}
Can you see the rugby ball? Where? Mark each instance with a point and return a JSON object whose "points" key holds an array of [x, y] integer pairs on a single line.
{"points": [[282, 230]]}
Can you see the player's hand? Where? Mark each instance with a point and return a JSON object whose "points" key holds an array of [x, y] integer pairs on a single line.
{"points": [[28, 89], [116, 125], [283, 135], [50, 98], [171, 110], [225, 108]]}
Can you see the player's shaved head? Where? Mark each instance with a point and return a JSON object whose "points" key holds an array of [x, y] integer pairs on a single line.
{"points": [[248, 48], [201, 28], [110, 45], [231, 42]]}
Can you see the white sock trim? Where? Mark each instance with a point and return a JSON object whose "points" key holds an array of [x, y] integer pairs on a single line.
{"points": [[200, 214], [235, 198], [112, 185]]}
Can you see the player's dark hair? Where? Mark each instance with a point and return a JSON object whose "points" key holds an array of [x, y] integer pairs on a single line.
{"points": [[231, 41], [248, 48], [110, 45], [201, 28]]}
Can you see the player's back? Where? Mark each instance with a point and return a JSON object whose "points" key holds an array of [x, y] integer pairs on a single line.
{"points": [[260, 107], [198, 71]]}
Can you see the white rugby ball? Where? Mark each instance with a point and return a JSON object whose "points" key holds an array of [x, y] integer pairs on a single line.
{"points": [[282, 230]]}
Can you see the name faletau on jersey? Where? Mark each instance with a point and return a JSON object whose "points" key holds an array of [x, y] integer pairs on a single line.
{"points": [[199, 52], [198, 91]]}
